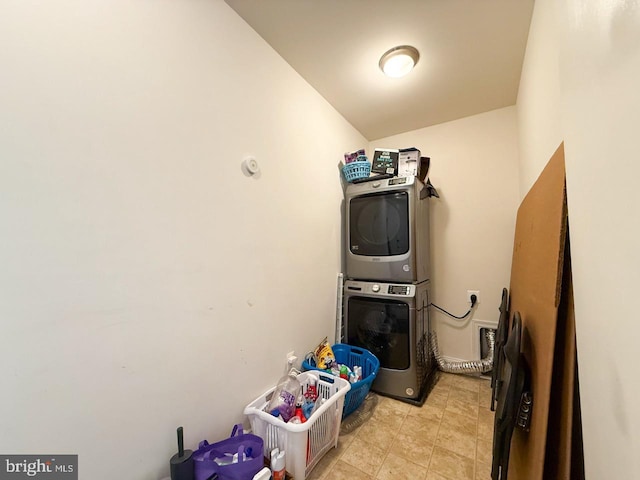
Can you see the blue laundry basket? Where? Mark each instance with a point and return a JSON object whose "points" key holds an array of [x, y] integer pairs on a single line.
{"points": [[356, 170], [351, 356]]}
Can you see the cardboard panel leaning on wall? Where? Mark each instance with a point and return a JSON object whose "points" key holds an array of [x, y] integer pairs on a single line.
{"points": [[536, 281]]}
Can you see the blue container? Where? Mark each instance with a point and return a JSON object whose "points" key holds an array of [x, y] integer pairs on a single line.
{"points": [[352, 356], [356, 170]]}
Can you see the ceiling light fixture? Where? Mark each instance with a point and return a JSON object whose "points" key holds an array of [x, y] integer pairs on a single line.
{"points": [[399, 61]]}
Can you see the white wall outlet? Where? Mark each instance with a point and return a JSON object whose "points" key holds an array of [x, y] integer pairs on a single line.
{"points": [[291, 358], [473, 292]]}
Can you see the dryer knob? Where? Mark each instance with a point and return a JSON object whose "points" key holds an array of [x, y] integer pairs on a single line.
{"points": [[375, 288]]}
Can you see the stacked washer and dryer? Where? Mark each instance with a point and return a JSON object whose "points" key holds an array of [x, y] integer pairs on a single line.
{"points": [[386, 291]]}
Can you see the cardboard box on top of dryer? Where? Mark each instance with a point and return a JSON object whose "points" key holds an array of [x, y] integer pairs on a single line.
{"points": [[385, 160], [409, 162]]}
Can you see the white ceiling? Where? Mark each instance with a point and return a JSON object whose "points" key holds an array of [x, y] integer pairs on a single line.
{"points": [[471, 55]]}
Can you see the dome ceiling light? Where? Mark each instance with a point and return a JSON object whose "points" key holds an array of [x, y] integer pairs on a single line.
{"points": [[399, 61]]}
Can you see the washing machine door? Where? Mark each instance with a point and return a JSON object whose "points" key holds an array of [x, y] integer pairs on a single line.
{"points": [[379, 224], [382, 327]]}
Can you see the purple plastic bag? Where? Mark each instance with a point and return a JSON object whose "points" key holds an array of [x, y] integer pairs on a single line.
{"points": [[248, 447]]}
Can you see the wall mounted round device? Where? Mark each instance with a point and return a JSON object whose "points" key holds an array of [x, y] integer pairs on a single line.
{"points": [[250, 165]]}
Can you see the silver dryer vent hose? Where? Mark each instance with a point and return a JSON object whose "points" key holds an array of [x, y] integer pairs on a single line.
{"points": [[481, 366]]}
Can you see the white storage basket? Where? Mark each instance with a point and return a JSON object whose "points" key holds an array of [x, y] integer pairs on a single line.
{"points": [[304, 443]]}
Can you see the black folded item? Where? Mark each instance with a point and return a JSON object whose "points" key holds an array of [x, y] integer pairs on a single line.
{"points": [[500, 340], [428, 191], [514, 397]]}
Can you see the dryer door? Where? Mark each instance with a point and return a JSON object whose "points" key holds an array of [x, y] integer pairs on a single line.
{"points": [[379, 224]]}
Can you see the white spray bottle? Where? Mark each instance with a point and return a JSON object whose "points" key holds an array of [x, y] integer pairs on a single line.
{"points": [[277, 464]]}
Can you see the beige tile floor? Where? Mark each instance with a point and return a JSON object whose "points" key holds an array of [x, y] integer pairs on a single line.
{"points": [[448, 438]]}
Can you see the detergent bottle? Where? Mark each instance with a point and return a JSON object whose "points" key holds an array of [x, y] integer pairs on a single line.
{"points": [[285, 396]]}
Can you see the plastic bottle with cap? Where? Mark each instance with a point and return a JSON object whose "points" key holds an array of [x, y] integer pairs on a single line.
{"points": [[312, 391], [283, 401], [277, 464], [264, 474]]}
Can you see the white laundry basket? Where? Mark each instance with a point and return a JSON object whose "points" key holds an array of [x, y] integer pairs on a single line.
{"points": [[304, 443]]}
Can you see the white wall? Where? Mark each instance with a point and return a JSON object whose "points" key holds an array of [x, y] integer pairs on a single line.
{"points": [[474, 168], [146, 283], [539, 118], [598, 78]]}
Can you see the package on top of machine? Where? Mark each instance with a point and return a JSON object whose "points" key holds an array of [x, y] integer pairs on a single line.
{"points": [[408, 162], [385, 160]]}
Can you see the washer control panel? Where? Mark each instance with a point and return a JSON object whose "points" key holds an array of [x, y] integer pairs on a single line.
{"points": [[383, 289], [399, 289]]}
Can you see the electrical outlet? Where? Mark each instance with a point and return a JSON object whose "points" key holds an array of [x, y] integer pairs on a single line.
{"points": [[473, 292]]}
